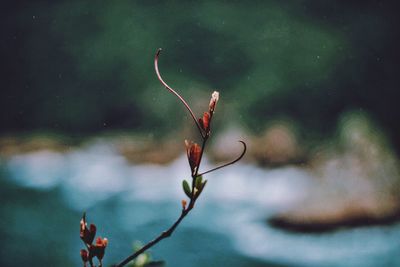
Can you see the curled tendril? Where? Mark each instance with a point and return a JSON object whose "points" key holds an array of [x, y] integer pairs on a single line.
{"points": [[174, 92], [229, 163]]}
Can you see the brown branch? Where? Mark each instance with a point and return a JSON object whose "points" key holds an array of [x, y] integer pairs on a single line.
{"points": [[185, 211], [163, 235], [168, 233], [174, 92], [229, 163]]}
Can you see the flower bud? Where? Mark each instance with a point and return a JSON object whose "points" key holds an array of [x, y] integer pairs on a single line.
{"points": [[183, 204], [87, 235], [205, 122], [98, 249], [213, 101], [84, 255], [193, 151]]}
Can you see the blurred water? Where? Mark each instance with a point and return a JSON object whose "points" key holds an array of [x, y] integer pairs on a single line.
{"points": [[44, 194]]}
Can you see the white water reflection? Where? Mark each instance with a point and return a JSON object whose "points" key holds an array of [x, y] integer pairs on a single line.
{"points": [[235, 204]]}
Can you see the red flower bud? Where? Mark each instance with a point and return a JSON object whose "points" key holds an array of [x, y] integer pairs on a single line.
{"points": [[87, 235], [193, 151], [84, 255], [101, 242], [98, 249], [205, 122], [183, 204]]}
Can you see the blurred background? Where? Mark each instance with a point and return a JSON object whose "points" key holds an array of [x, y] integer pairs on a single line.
{"points": [[311, 86]]}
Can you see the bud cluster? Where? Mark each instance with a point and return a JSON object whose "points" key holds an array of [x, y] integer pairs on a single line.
{"points": [[93, 250]]}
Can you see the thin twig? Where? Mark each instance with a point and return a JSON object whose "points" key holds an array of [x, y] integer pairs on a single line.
{"points": [[170, 230], [163, 235], [185, 211], [196, 173], [174, 92], [229, 163]]}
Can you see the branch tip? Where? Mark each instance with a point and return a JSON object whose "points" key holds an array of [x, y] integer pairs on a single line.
{"points": [[158, 52], [229, 163], [169, 88]]}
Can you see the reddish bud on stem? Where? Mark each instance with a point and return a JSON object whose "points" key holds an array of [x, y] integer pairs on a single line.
{"points": [[84, 255], [193, 151], [205, 122], [183, 204], [87, 235], [98, 249]]}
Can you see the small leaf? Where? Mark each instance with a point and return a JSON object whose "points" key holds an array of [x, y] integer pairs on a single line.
{"points": [[198, 191], [186, 188], [198, 182], [203, 185]]}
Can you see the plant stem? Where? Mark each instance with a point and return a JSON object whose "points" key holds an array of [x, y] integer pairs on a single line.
{"points": [[229, 163], [168, 233], [163, 235], [169, 88], [195, 174]]}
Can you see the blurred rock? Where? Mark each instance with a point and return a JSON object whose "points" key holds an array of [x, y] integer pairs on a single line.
{"points": [[11, 145], [148, 150], [135, 148], [277, 146], [356, 184]]}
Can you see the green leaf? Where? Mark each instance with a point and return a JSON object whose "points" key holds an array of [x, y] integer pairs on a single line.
{"points": [[200, 188], [203, 185], [186, 188], [198, 182]]}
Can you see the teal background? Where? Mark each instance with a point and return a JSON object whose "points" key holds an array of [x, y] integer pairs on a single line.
{"points": [[76, 70]]}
